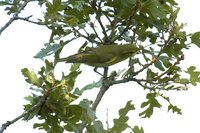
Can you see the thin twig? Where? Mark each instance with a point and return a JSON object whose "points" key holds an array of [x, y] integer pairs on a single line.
{"points": [[100, 22], [107, 119], [124, 31], [142, 69], [86, 37], [15, 15], [158, 55], [98, 10], [127, 80], [28, 20], [169, 69], [113, 25], [134, 34], [129, 22], [93, 27]]}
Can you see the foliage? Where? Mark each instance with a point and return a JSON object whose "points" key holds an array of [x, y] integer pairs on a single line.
{"points": [[57, 107], [120, 124], [149, 24]]}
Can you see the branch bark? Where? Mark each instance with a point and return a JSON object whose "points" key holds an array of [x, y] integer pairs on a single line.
{"points": [[27, 19], [8, 123], [103, 89], [15, 15]]}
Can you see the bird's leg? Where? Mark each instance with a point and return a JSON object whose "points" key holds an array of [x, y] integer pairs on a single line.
{"points": [[105, 74], [95, 69]]}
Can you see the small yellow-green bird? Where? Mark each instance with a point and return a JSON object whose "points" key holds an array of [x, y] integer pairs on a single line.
{"points": [[102, 56]]}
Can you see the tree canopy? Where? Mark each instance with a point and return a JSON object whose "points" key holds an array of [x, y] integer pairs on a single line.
{"points": [[150, 25]]}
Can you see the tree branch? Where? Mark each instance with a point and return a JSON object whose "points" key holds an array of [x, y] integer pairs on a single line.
{"points": [[38, 105], [28, 20], [93, 27], [15, 15], [129, 22], [101, 93], [103, 89], [113, 25], [98, 10], [86, 37]]}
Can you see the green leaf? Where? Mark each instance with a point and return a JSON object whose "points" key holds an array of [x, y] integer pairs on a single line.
{"points": [[50, 49], [72, 20], [33, 100], [194, 75], [75, 67], [126, 35], [184, 81], [54, 124], [159, 65], [151, 103], [72, 118], [122, 7], [71, 79], [70, 127], [3, 3], [74, 112], [196, 38], [31, 77], [154, 9], [151, 74], [97, 127], [128, 3], [97, 84], [120, 124], [30, 116], [44, 126], [47, 74], [171, 87], [136, 129], [174, 109], [54, 7], [166, 61], [90, 114], [49, 66], [29, 98], [172, 2]]}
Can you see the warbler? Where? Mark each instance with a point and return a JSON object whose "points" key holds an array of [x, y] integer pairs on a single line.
{"points": [[102, 56]]}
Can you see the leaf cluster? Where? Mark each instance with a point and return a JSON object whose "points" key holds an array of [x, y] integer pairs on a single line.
{"points": [[149, 24], [57, 106]]}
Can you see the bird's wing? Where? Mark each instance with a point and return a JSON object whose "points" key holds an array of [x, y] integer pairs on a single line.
{"points": [[95, 58]]}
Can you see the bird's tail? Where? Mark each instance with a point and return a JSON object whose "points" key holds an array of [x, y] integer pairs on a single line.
{"points": [[71, 59]]}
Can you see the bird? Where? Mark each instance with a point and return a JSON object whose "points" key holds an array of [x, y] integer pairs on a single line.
{"points": [[102, 56]]}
